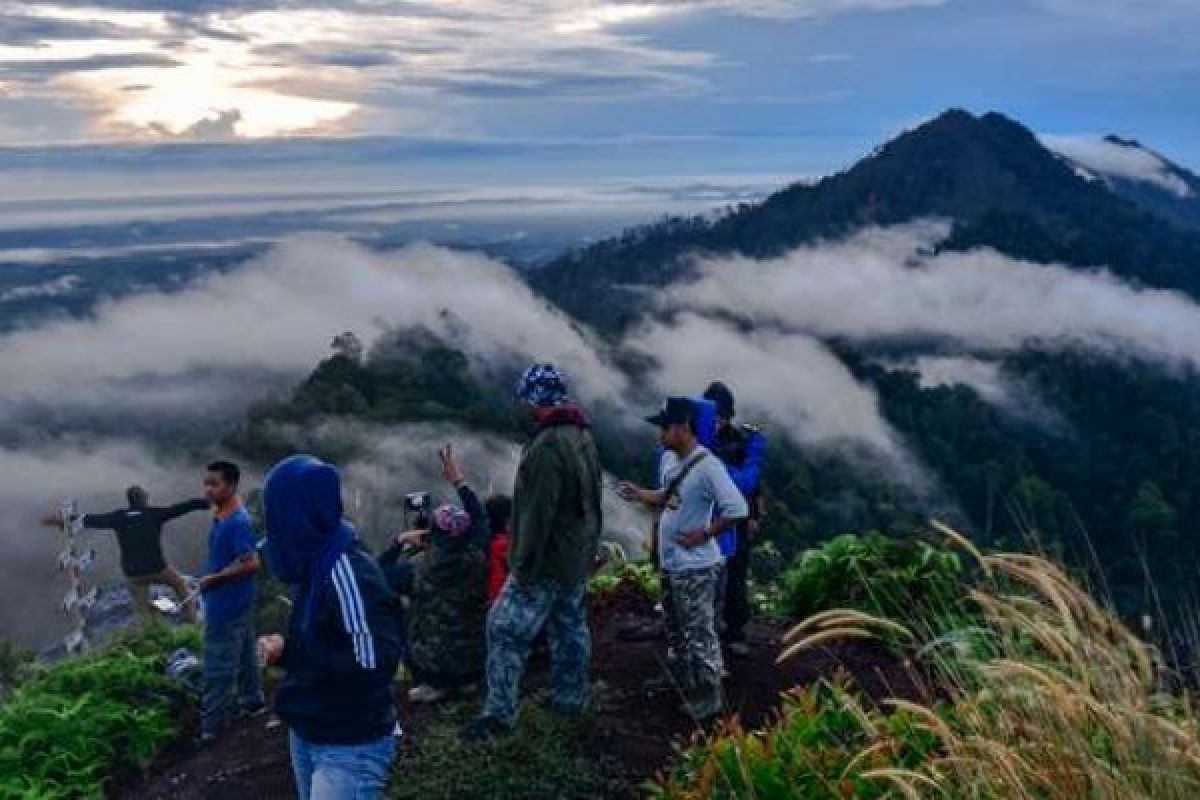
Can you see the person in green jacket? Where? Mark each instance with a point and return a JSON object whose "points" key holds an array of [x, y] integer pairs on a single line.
{"points": [[556, 526]]}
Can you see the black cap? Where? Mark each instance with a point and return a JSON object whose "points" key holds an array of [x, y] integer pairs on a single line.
{"points": [[722, 397], [677, 411]]}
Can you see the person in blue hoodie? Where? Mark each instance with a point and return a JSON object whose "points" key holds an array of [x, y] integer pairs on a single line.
{"points": [[343, 642], [743, 451]]}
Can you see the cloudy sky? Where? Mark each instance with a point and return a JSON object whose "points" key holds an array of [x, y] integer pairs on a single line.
{"points": [[814, 82]]}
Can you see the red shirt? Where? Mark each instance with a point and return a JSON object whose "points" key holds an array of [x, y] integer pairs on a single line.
{"points": [[498, 564]]}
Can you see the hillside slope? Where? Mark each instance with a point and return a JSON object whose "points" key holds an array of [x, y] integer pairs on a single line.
{"points": [[988, 174]]}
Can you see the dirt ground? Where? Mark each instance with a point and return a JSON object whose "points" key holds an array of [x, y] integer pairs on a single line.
{"points": [[634, 728]]}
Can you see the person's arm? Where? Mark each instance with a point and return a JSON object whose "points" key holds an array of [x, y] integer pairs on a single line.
{"points": [[186, 507], [104, 522], [747, 476], [541, 484], [366, 655], [729, 506], [243, 566], [651, 498], [481, 531], [245, 562], [399, 543]]}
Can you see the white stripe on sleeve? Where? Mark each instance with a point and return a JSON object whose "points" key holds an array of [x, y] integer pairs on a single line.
{"points": [[353, 613]]}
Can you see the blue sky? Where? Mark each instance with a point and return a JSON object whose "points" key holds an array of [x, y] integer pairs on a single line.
{"points": [[788, 87]]}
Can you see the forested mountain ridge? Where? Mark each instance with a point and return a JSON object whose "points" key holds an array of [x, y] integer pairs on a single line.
{"points": [[1109, 476], [988, 174]]}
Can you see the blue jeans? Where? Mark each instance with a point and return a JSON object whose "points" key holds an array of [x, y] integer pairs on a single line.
{"points": [[518, 615], [342, 771], [231, 673]]}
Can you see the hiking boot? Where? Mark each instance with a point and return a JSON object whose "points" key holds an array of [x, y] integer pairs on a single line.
{"points": [[425, 694], [484, 729]]}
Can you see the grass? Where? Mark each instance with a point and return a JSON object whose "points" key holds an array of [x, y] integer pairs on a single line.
{"points": [[1045, 694], [545, 759], [78, 725]]}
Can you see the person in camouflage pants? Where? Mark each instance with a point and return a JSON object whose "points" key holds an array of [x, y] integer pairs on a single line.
{"points": [[555, 536], [693, 647], [698, 502], [514, 622]]}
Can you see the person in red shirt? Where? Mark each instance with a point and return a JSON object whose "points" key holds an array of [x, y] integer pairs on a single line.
{"points": [[499, 510]]}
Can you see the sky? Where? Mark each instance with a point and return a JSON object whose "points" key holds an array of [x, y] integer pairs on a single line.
{"points": [[785, 87]]}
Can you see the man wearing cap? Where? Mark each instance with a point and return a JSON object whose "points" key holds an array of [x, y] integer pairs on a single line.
{"points": [[556, 523], [742, 449], [698, 502]]}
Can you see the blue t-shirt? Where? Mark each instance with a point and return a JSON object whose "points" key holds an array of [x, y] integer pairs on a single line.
{"points": [[229, 539]]}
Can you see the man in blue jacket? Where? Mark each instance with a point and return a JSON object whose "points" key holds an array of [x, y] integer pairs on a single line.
{"points": [[343, 641], [743, 449]]}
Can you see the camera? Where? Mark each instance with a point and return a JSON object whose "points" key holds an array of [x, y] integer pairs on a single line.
{"points": [[417, 507]]}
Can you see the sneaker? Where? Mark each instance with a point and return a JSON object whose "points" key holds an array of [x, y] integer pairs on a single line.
{"points": [[205, 739], [425, 694], [252, 710], [484, 729], [740, 649]]}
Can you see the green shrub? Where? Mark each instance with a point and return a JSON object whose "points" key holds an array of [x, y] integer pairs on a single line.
{"points": [[876, 574], [825, 744], [72, 729], [641, 577], [13, 663]]}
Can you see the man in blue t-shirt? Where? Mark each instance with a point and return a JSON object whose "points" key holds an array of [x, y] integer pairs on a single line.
{"points": [[231, 672]]}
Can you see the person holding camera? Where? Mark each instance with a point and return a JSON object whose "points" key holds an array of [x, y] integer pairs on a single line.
{"points": [[343, 641], [556, 528], [446, 584]]}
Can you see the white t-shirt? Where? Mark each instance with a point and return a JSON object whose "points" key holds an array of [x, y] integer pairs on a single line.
{"points": [[705, 494]]}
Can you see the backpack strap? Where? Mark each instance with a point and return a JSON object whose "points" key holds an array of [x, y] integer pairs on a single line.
{"points": [[677, 481]]}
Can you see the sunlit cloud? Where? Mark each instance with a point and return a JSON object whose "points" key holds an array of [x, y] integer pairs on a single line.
{"points": [[242, 68]]}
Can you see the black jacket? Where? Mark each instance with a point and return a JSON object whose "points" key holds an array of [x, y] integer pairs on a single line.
{"points": [[338, 689], [139, 533]]}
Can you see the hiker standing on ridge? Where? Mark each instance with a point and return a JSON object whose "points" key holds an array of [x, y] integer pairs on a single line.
{"points": [[343, 641], [742, 449], [139, 538], [698, 502], [232, 682], [555, 535]]}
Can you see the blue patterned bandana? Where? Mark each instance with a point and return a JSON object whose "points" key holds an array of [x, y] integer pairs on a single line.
{"points": [[543, 386]]}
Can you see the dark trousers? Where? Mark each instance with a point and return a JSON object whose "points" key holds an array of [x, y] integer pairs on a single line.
{"points": [[232, 676], [737, 593]]}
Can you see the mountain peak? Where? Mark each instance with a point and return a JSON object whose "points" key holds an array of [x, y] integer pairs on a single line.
{"points": [[993, 177]]}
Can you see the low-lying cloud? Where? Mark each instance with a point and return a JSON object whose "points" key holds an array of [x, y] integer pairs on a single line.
{"points": [[889, 285], [791, 379], [275, 318], [1105, 157]]}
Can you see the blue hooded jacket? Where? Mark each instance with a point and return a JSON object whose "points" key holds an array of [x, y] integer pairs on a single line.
{"points": [[343, 642], [306, 534]]}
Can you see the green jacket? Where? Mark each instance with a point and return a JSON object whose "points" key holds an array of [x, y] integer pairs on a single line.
{"points": [[556, 518]]}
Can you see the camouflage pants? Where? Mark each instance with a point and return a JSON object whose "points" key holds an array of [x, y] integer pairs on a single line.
{"points": [[518, 615], [694, 650]]}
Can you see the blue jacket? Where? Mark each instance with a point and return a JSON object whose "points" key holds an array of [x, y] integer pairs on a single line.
{"points": [[743, 451], [338, 683]]}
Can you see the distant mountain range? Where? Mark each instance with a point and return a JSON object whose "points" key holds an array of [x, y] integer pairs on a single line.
{"points": [[1000, 185]]}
